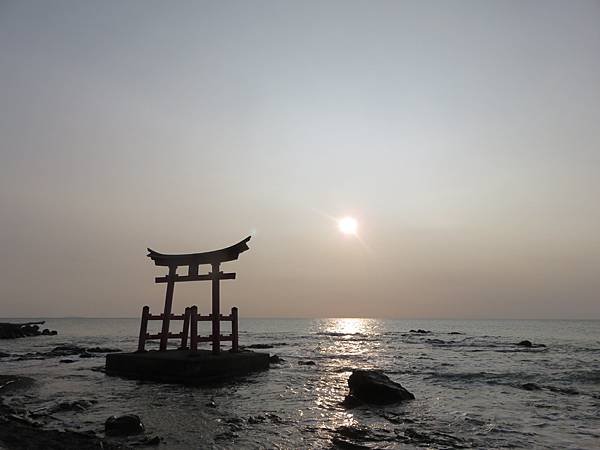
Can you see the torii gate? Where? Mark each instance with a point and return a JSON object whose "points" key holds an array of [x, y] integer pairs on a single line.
{"points": [[190, 318]]}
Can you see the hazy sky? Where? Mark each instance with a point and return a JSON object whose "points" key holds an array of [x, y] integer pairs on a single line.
{"points": [[464, 136]]}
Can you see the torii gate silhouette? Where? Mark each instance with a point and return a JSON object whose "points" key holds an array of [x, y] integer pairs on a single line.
{"points": [[191, 318]]}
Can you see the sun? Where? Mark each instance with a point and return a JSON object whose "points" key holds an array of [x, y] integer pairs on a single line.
{"points": [[348, 225]]}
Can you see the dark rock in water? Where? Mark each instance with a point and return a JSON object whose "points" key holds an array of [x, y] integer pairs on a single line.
{"points": [[67, 361], [256, 419], [346, 445], [276, 359], [525, 343], [353, 432], [4, 355], [76, 405], [103, 350], [14, 382], [66, 350], [420, 331], [19, 330], [567, 391], [264, 346], [531, 387], [152, 441], [455, 332], [373, 386], [306, 363], [123, 425]]}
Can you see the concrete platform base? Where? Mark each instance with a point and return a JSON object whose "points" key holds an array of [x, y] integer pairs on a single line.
{"points": [[184, 366]]}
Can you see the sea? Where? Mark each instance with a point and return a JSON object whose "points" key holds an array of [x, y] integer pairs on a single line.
{"points": [[474, 387]]}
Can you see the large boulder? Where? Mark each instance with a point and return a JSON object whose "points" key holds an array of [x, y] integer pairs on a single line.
{"points": [[373, 386], [123, 425]]}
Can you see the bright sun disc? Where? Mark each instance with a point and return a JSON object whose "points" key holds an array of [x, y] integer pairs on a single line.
{"points": [[348, 225]]}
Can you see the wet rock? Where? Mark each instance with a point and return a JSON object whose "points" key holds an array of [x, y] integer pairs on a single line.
{"points": [[76, 405], [256, 419], [226, 436], [373, 386], [420, 331], [352, 432], [234, 420], [66, 350], [4, 355], [67, 361], [276, 359], [259, 346], [306, 363], [567, 391], [531, 387], [103, 350], [14, 382], [342, 444], [145, 442], [525, 343], [123, 425], [19, 330]]}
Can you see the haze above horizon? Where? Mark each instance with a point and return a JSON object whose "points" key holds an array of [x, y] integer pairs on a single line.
{"points": [[390, 159]]}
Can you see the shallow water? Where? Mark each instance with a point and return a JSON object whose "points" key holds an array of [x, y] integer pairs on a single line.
{"points": [[468, 386]]}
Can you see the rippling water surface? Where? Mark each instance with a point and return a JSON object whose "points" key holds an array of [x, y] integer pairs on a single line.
{"points": [[467, 377]]}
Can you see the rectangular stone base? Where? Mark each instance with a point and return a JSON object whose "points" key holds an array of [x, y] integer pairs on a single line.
{"points": [[185, 366]]}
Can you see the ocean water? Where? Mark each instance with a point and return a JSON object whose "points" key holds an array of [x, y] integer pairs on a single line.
{"points": [[467, 377]]}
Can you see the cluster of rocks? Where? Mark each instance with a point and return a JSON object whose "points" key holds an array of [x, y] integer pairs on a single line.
{"points": [[66, 350], [420, 331], [20, 430], [19, 330]]}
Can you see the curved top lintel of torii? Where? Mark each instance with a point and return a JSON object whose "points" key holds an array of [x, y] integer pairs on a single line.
{"points": [[230, 253]]}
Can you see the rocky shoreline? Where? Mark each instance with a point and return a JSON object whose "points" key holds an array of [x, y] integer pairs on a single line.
{"points": [[19, 431], [20, 330]]}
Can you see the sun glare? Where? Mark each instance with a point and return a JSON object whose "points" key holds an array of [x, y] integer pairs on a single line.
{"points": [[348, 225]]}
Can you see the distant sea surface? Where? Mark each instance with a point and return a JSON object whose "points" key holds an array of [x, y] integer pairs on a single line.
{"points": [[467, 377]]}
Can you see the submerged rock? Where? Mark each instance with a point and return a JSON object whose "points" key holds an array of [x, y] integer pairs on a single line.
{"points": [[525, 343], [306, 363], [343, 444], [76, 405], [373, 386], [4, 355], [420, 331], [103, 350], [531, 387], [275, 359], [123, 425], [66, 350]]}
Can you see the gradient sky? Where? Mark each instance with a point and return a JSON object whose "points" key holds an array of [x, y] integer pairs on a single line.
{"points": [[464, 136]]}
